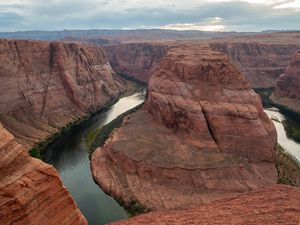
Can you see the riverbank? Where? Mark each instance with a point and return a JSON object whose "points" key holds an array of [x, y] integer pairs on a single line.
{"points": [[97, 137], [132, 86], [288, 168], [291, 126]]}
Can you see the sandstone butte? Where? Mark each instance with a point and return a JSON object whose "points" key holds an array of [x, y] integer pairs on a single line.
{"points": [[278, 204], [31, 191], [287, 91], [202, 136], [46, 85]]}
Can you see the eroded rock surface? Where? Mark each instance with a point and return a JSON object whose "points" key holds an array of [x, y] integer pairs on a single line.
{"points": [[287, 91], [278, 204], [31, 191], [261, 63], [203, 136], [44, 86], [138, 60]]}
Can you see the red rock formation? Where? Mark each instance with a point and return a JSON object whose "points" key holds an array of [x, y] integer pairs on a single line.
{"points": [[287, 91], [205, 137], [138, 60], [44, 86], [261, 63], [31, 191], [278, 204]]}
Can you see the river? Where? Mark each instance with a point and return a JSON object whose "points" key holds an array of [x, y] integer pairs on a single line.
{"points": [[287, 143], [70, 157]]}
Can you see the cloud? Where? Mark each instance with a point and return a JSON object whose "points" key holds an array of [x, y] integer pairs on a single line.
{"points": [[227, 15]]}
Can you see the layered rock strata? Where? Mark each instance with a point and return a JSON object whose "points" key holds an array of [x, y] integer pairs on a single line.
{"points": [[138, 60], [262, 63], [287, 91], [31, 191], [278, 204], [44, 86], [203, 136]]}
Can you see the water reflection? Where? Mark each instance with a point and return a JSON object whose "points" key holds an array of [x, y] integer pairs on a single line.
{"points": [[287, 143], [69, 156]]}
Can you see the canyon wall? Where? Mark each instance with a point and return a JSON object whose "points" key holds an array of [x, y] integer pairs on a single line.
{"points": [[202, 136], [138, 60], [278, 204], [46, 85], [261, 63], [287, 91], [31, 191]]}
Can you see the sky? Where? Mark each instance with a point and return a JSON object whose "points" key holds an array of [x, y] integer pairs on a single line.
{"points": [[207, 15]]}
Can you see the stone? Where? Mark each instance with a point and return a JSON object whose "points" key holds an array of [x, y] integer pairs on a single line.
{"points": [[31, 191]]}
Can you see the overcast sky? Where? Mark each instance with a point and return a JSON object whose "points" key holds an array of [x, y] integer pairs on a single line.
{"points": [[213, 15]]}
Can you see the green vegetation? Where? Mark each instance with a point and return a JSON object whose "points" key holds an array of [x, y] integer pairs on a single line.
{"points": [[134, 208], [37, 150], [292, 130], [97, 137], [288, 168]]}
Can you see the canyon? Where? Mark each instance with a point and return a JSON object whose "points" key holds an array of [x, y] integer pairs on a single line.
{"points": [[46, 85], [31, 191], [202, 142], [287, 89], [202, 136]]}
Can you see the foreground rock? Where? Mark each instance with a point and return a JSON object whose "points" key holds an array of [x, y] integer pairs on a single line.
{"points": [[203, 137], [31, 191], [44, 86], [261, 63], [138, 60], [287, 91], [278, 204]]}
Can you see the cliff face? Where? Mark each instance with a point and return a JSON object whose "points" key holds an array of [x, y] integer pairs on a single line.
{"points": [[204, 136], [44, 86], [287, 91], [31, 191], [261, 63], [278, 204], [138, 60]]}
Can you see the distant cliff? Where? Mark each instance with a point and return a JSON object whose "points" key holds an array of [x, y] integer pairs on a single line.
{"points": [[138, 60], [46, 85], [287, 90], [261, 63]]}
